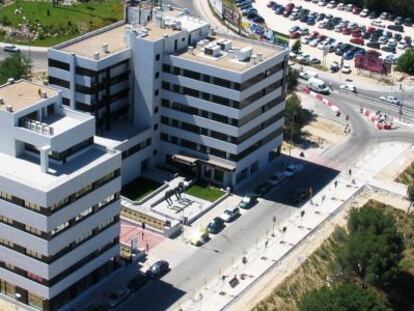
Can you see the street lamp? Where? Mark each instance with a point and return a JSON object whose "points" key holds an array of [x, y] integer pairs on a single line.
{"points": [[402, 101]]}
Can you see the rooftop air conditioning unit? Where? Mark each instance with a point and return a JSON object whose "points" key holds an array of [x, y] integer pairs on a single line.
{"points": [[259, 57], [191, 50], [9, 108], [244, 54], [43, 94], [225, 45], [1, 101], [96, 56], [200, 44], [10, 80], [212, 50]]}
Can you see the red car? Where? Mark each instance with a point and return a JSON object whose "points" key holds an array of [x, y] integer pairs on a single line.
{"points": [[289, 6], [347, 31], [371, 29], [357, 40], [314, 34], [356, 34], [270, 4], [294, 35]]}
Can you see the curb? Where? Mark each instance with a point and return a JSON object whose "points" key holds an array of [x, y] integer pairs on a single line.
{"points": [[378, 119]]}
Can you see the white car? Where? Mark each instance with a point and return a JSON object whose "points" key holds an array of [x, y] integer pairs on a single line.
{"points": [[392, 58], [322, 3], [331, 4], [322, 24], [314, 42], [377, 23], [346, 69], [390, 99], [303, 58], [293, 169], [303, 30], [402, 45], [341, 6], [277, 178], [349, 7], [392, 42], [348, 87], [364, 13], [383, 40], [230, 214]]}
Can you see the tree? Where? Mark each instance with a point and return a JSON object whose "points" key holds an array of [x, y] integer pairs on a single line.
{"points": [[296, 47], [346, 297], [16, 66], [292, 79], [406, 62], [410, 194], [295, 117], [374, 247]]}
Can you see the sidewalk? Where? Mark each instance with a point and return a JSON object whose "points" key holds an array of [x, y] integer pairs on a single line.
{"points": [[271, 251]]}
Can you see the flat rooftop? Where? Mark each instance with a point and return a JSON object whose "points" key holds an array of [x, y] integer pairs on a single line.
{"points": [[23, 94], [87, 47], [226, 60], [26, 168]]}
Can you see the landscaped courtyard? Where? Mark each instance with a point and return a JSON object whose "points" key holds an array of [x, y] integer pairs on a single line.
{"points": [[205, 192], [139, 188], [50, 24]]}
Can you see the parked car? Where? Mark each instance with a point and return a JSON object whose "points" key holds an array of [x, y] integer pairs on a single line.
{"points": [[399, 28], [262, 189], [11, 48], [247, 202], [340, 6], [389, 49], [346, 69], [137, 282], [117, 296], [334, 67], [364, 13], [216, 225], [200, 237], [390, 99], [293, 169], [348, 87], [331, 4], [158, 269], [392, 58], [230, 214], [357, 40], [277, 178]]}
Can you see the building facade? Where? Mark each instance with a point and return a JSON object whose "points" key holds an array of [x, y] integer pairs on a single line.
{"points": [[204, 102], [59, 198]]}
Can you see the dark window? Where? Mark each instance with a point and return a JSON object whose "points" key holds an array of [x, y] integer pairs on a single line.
{"points": [[157, 92], [84, 107], [65, 101], [85, 89], [156, 110], [58, 64], [155, 126], [157, 75], [166, 68], [157, 57], [165, 85], [59, 82], [164, 137], [191, 74], [85, 72], [221, 82]]}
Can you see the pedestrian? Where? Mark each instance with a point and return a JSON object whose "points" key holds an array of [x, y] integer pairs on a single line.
{"points": [[336, 183], [350, 172], [147, 248], [266, 243], [323, 198], [142, 235]]}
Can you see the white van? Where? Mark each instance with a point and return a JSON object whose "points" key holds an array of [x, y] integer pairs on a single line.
{"points": [[318, 85], [306, 75]]}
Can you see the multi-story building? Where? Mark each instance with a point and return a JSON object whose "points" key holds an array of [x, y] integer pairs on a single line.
{"points": [[59, 198], [170, 91]]}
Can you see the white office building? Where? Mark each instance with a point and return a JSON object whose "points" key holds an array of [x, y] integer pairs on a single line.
{"points": [[172, 92], [59, 198]]}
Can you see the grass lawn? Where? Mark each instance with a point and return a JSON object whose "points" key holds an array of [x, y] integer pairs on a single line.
{"points": [[139, 188], [65, 21], [321, 264], [407, 176], [208, 193]]}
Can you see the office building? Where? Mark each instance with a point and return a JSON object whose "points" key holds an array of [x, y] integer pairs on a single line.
{"points": [[59, 198], [171, 91]]}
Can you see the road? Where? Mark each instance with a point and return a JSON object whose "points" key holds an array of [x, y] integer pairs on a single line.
{"points": [[39, 58]]}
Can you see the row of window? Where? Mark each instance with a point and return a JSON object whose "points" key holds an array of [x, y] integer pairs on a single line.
{"points": [[219, 153], [219, 99], [218, 117], [218, 135], [223, 82], [64, 226], [49, 283], [138, 147], [62, 156], [62, 203]]}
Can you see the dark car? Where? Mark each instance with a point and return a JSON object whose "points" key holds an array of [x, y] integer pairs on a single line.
{"points": [[373, 45], [158, 269], [373, 15], [137, 282], [408, 22], [310, 21], [390, 49], [300, 196], [398, 28], [279, 10], [216, 225], [397, 36], [262, 189]]}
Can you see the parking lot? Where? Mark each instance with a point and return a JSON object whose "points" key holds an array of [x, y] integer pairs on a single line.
{"points": [[343, 26]]}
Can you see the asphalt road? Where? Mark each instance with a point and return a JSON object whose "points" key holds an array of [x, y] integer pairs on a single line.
{"points": [[39, 58]]}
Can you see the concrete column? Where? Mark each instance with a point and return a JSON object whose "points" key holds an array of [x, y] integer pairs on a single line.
{"points": [[72, 71], [44, 158]]}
